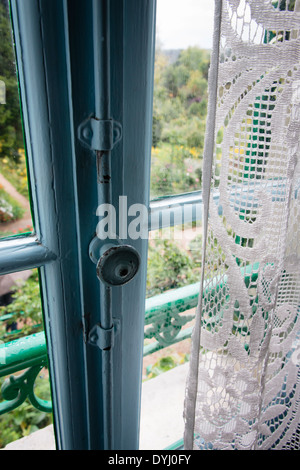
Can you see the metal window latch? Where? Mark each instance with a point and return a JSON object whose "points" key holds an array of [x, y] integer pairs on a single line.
{"points": [[102, 337], [99, 134], [116, 264]]}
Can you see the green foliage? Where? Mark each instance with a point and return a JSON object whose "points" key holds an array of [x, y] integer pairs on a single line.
{"points": [[26, 309], [179, 119], [11, 136], [195, 248], [169, 267], [166, 363], [179, 85], [175, 169], [15, 171], [156, 129]]}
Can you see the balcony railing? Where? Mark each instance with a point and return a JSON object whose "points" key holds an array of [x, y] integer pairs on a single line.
{"points": [[168, 318], [164, 321], [164, 317]]}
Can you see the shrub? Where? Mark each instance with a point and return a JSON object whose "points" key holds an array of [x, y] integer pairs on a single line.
{"points": [[169, 267], [166, 363]]}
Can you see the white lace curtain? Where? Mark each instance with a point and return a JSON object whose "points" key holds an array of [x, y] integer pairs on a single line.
{"points": [[244, 381]]}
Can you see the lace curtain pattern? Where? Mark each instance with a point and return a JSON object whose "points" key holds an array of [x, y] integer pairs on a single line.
{"points": [[243, 385]]}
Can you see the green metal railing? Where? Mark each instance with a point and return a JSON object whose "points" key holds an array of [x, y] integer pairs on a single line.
{"points": [[28, 353], [168, 320], [164, 321], [165, 317]]}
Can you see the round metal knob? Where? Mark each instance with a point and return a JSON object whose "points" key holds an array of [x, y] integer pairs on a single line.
{"points": [[118, 264]]}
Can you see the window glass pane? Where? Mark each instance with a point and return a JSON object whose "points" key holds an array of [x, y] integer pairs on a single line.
{"points": [[184, 40], [174, 265], [25, 399], [183, 43], [20, 305], [15, 214]]}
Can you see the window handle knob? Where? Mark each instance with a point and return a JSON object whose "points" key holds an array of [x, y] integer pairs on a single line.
{"points": [[116, 263]]}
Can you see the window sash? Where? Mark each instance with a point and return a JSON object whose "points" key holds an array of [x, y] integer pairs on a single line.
{"points": [[54, 66]]}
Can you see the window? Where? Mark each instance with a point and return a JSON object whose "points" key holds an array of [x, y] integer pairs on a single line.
{"points": [[183, 44], [59, 91], [87, 118]]}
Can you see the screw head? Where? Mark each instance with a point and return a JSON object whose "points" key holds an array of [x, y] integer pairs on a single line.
{"points": [[118, 265], [87, 133]]}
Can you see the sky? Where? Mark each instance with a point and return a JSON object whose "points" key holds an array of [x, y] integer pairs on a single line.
{"points": [[183, 23]]}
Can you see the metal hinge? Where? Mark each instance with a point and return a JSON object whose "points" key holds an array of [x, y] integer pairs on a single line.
{"points": [[99, 134], [103, 337]]}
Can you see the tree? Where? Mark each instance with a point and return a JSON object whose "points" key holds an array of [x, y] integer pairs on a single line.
{"points": [[11, 136], [194, 58], [180, 98]]}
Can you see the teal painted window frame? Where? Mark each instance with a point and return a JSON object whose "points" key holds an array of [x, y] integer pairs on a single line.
{"points": [[55, 59]]}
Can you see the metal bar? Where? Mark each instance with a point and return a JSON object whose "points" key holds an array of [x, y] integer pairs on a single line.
{"points": [[17, 254], [175, 210], [101, 41], [185, 208], [173, 301], [31, 350], [22, 353], [20, 253], [132, 42]]}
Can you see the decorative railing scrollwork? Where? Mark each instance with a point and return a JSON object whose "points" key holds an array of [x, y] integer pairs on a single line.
{"points": [[166, 317], [16, 389], [166, 320], [166, 330], [27, 355]]}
